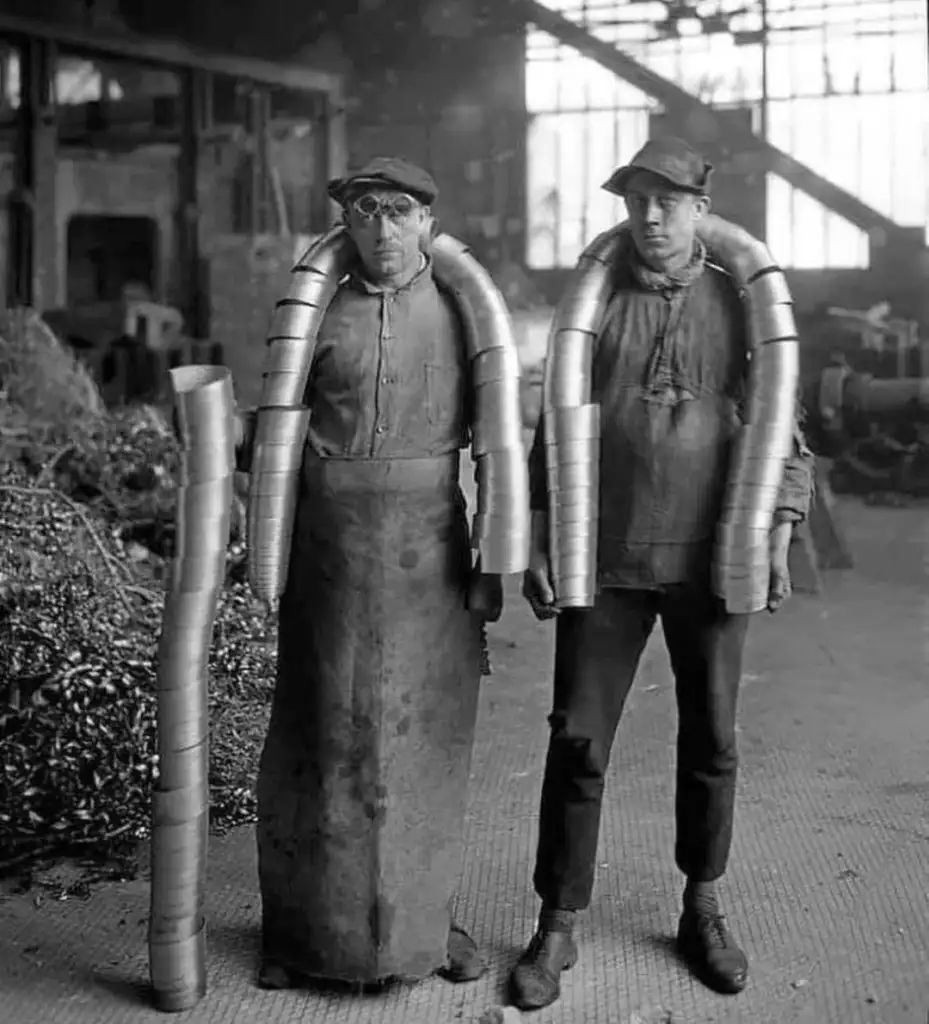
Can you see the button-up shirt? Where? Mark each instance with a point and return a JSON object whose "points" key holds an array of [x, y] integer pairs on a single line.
{"points": [[669, 372], [390, 373]]}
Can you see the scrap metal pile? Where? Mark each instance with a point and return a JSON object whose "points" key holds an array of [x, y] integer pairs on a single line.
{"points": [[87, 506]]}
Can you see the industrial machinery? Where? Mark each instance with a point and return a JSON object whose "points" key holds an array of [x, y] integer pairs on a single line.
{"points": [[875, 430]]}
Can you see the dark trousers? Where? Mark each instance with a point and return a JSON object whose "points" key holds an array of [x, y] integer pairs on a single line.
{"points": [[596, 656]]}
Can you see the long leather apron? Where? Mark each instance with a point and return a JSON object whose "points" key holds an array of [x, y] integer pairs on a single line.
{"points": [[363, 779]]}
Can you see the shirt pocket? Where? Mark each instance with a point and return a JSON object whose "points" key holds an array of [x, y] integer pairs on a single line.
{"points": [[444, 386]]}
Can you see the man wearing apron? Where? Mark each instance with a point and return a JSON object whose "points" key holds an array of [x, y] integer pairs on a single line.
{"points": [[363, 779]]}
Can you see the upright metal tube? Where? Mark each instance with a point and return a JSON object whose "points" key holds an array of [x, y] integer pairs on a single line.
{"points": [[181, 799], [280, 436]]}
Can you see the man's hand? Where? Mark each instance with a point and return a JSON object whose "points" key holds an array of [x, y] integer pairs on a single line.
{"points": [[485, 595], [779, 588], [537, 582]]}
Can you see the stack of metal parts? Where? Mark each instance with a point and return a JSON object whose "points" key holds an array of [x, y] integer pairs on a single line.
{"points": [[572, 426], [501, 525], [181, 801], [281, 421], [742, 564]]}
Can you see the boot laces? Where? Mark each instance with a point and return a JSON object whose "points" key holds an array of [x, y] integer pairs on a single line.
{"points": [[714, 929]]}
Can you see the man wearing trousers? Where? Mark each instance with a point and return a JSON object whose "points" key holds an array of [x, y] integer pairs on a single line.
{"points": [[669, 373]]}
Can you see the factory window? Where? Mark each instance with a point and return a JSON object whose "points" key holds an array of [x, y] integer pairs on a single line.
{"points": [[9, 78], [841, 85], [79, 82]]}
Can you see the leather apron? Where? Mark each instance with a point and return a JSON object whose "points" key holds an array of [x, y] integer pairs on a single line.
{"points": [[363, 779]]}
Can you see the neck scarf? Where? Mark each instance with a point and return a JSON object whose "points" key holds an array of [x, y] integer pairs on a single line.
{"points": [[670, 280]]}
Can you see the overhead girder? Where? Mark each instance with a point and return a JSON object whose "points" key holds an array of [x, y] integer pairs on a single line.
{"points": [[685, 104]]}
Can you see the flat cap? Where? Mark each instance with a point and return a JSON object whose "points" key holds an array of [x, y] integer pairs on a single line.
{"points": [[670, 158], [386, 172]]}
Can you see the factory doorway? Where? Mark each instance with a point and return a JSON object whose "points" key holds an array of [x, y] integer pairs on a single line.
{"points": [[107, 255]]}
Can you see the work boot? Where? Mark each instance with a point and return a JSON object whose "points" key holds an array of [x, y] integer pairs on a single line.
{"points": [[710, 951], [465, 962], [536, 979], [274, 976]]}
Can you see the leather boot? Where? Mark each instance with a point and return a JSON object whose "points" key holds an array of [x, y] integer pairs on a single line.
{"points": [[465, 962], [709, 949], [536, 979]]}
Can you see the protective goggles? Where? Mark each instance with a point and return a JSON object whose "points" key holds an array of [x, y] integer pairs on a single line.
{"points": [[395, 206]]}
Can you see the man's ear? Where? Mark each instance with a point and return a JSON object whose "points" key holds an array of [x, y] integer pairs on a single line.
{"points": [[429, 232], [702, 206]]}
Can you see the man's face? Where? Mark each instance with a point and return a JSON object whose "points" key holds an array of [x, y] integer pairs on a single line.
{"points": [[663, 220], [388, 228]]}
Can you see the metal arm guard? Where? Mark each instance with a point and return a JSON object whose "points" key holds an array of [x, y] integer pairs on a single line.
{"points": [[501, 525], [572, 425]]}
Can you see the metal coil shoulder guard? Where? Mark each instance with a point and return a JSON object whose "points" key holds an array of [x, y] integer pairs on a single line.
{"points": [[501, 525], [572, 428]]}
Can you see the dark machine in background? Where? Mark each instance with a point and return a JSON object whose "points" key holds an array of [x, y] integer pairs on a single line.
{"points": [[875, 431], [868, 407]]}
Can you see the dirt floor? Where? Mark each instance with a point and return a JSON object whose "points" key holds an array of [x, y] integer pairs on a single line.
{"points": [[828, 888]]}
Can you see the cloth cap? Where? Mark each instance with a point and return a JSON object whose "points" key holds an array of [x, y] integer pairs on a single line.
{"points": [[670, 158], [386, 172]]}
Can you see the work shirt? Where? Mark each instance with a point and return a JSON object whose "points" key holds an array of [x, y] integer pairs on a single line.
{"points": [[390, 377], [669, 373]]}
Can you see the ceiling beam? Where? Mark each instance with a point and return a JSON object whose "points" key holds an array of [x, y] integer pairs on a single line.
{"points": [[173, 53]]}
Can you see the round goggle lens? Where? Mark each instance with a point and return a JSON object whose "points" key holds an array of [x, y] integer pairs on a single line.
{"points": [[371, 206]]}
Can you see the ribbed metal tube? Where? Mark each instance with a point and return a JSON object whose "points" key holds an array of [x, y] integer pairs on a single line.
{"points": [[280, 436], [180, 801], [572, 426], [501, 525], [297, 317], [501, 528], [281, 420], [742, 564]]}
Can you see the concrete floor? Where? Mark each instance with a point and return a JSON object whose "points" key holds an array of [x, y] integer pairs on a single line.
{"points": [[828, 888]]}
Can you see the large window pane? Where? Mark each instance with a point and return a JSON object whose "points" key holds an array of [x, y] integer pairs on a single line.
{"points": [[848, 94]]}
